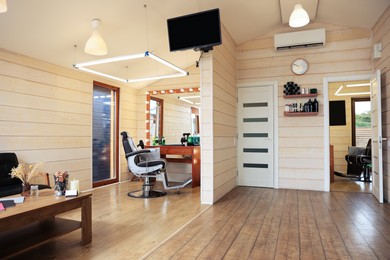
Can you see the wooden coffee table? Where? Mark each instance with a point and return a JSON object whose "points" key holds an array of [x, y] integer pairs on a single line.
{"points": [[34, 222]]}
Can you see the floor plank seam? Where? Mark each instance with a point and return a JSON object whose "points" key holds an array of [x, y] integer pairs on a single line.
{"points": [[229, 203], [173, 234], [227, 220], [262, 223], [335, 221], [239, 231], [317, 224], [358, 201], [359, 230]]}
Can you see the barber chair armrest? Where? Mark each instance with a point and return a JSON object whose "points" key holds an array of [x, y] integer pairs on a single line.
{"points": [[358, 159], [137, 152]]}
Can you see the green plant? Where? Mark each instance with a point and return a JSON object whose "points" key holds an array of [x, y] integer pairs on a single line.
{"points": [[363, 120]]}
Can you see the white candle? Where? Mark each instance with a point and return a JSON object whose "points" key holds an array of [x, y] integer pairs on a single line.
{"points": [[74, 185]]}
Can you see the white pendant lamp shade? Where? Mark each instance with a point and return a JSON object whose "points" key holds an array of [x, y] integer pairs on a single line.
{"points": [[3, 6], [95, 44], [298, 17]]}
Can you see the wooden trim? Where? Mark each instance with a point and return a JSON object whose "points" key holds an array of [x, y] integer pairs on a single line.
{"points": [[353, 120], [116, 136], [195, 110]]}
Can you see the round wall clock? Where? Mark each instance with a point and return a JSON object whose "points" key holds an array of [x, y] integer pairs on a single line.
{"points": [[299, 66]]}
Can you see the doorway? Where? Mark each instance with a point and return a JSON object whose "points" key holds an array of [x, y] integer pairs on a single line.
{"points": [[349, 132]]}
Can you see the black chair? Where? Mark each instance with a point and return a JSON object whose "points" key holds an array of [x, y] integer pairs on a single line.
{"points": [[8, 185], [359, 162], [11, 186]]}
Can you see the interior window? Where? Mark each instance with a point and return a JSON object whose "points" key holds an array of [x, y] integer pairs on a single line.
{"points": [[361, 121]]}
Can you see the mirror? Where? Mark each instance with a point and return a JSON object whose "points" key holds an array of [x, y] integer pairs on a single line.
{"points": [[170, 113]]}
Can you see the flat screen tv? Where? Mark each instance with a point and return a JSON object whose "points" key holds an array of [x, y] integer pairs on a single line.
{"points": [[199, 31]]}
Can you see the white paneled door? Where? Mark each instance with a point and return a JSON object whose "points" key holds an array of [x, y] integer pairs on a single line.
{"points": [[255, 136], [376, 124]]}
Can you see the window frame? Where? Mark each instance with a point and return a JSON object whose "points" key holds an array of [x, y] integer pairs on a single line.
{"points": [[115, 135]]}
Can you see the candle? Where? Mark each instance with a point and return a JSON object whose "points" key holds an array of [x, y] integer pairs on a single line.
{"points": [[74, 185]]}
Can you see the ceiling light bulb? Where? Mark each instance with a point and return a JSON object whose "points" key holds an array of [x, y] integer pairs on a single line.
{"points": [[95, 44], [3, 6], [298, 17]]}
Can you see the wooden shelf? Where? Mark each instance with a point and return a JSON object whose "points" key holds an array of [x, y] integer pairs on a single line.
{"points": [[300, 113], [300, 96]]}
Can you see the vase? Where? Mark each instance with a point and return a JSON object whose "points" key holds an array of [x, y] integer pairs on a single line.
{"points": [[60, 186], [25, 189]]}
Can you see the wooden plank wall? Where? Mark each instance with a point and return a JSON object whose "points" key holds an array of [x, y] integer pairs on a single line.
{"points": [[224, 100], [46, 115], [206, 130], [128, 122], [301, 139], [381, 32], [218, 115]]}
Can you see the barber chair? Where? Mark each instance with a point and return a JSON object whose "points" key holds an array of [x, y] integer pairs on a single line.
{"points": [[359, 162], [144, 164]]}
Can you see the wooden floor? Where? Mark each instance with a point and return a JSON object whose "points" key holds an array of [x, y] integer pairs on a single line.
{"points": [[257, 223], [248, 223], [350, 185], [124, 227]]}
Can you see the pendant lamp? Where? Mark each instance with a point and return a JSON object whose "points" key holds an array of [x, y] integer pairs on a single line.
{"points": [[298, 17], [3, 6], [96, 44]]}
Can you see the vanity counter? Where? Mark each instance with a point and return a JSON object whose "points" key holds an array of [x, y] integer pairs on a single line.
{"points": [[189, 154]]}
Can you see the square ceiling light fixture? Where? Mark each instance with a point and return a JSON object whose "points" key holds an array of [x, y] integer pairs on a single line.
{"points": [[84, 66], [3, 6]]}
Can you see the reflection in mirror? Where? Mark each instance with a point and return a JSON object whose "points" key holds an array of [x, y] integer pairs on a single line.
{"points": [[156, 116], [195, 120], [170, 113]]}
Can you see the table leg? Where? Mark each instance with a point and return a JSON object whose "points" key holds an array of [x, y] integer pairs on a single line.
{"points": [[86, 221]]}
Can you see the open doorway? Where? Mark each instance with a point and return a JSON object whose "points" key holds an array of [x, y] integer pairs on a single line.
{"points": [[349, 134]]}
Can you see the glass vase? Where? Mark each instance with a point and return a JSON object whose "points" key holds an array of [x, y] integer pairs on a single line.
{"points": [[25, 189]]}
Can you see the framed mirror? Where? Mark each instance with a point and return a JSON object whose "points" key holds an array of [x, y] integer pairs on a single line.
{"points": [[170, 113]]}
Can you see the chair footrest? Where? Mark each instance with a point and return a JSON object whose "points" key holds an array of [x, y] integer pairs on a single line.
{"points": [[147, 194]]}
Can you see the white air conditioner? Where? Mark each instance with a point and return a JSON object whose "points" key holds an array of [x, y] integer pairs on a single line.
{"points": [[302, 39]]}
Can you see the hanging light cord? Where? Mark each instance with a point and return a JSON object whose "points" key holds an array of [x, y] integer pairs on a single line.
{"points": [[74, 54], [146, 23]]}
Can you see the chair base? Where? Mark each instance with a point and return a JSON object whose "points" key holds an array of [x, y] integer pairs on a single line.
{"points": [[146, 194]]}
